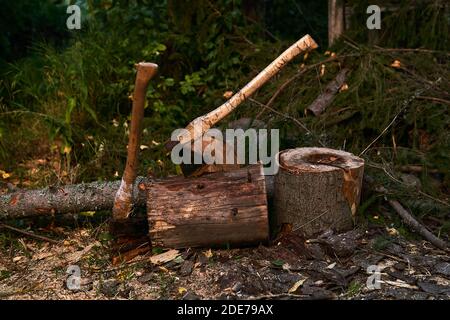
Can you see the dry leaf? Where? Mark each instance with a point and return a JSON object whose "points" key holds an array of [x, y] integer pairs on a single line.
{"points": [[344, 87], [286, 266], [17, 259], [42, 255], [392, 231], [164, 257], [327, 53], [228, 94], [305, 56], [331, 266], [296, 285], [322, 70], [74, 257], [396, 64], [208, 253], [5, 175], [163, 269]]}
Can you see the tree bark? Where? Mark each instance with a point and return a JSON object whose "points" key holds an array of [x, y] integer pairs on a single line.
{"points": [[317, 189], [215, 209], [324, 100], [94, 196], [336, 22]]}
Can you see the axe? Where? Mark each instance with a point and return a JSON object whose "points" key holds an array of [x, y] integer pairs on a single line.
{"points": [[200, 125], [123, 201]]}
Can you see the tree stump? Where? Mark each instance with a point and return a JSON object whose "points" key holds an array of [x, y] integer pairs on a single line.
{"points": [[317, 189], [215, 209]]}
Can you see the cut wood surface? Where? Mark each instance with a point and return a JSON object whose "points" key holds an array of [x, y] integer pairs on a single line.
{"points": [[327, 96], [317, 189], [216, 209]]}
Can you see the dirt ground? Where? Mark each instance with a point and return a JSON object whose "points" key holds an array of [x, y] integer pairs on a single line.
{"points": [[327, 267]]}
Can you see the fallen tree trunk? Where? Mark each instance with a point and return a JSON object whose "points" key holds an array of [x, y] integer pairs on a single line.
{"points": [[324, 100], [94, 196], [216, 209]]}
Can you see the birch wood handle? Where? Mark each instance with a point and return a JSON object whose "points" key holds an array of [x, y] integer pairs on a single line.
{"points": [[210, 119]]}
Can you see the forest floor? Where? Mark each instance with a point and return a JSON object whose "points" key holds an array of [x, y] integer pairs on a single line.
{"points": [[328, 267]]}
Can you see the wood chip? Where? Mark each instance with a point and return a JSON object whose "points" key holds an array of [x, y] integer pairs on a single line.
{"points": [[164, 257]]}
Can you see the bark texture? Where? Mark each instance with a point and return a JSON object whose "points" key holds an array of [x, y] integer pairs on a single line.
{"points": [[324, 100], [336, 20], [317, 189], [94, 196], [215, 209]]}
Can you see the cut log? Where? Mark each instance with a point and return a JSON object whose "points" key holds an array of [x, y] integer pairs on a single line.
{"points": [[324, 100], [94, 196], [216, 209], [317, 189]]}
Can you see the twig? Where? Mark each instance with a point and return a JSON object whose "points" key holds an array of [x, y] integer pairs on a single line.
{"points": [[439, 100], [319, 105], [380, 49], [29, 234], [414, 224], [295, 77], [281, 295], [301, 125], [416, 169], [403, 108]]}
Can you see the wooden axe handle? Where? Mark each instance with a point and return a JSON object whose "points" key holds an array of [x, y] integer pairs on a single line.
{"points": [[203, 123], [123, 202]]}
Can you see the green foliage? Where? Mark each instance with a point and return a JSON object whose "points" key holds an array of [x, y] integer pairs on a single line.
{"points": [[24, 22], [76, 93], [413, 24], [78, 97]]}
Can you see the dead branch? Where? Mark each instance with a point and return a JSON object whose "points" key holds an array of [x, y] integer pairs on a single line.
{"points": [[94, 196], [414, 224], [28, 234], [324, 100]]}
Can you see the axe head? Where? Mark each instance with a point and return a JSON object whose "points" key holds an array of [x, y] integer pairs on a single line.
{"points": [[197, 169]]}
